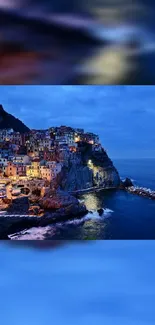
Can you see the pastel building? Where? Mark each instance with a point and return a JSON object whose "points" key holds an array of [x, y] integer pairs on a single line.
{"points": [[3, 165], [22, 159], [15, 170], [46, 173], [55, 167], [33, 170]]}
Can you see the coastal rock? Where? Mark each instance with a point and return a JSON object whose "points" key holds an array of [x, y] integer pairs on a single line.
{"points": [[35, 210], [126, 183], [6, 201], [34, 199], [78, 177], [14, 224], [141, 192], [36, 192], [92, 169], [100, 211], [75, 210], [56, 200], [10, 225], [19, 206], [4, 237], [104, 172], [56, 206]]}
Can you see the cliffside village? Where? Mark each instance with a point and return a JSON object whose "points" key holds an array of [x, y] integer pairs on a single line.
{"points": [[40, 154]]}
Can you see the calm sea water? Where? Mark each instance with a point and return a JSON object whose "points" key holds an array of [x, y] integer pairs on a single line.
{"points": [[126, 216], [102, 282]]}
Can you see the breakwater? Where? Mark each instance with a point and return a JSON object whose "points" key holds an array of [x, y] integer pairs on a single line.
{"points": [[141, 191]]}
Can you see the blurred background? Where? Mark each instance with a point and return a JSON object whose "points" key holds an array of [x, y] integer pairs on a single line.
{"points": [[91, 282], [77, 42]]}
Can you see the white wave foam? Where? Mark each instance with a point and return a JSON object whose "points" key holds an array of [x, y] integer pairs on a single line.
{"points": [[90, 216], [107, 212], [93, 215], [3, 212], [35, 233], [40, 233]]}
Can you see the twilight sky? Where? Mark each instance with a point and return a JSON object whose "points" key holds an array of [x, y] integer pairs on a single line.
{"points": [[123, 116]]}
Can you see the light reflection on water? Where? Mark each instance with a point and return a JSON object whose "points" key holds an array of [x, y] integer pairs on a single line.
{"points": [[92, 201]]}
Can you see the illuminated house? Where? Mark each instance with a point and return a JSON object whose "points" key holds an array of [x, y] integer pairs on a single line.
{"points": [[22, 159], [10, 169], [3, 165], [6, 134], [3, 161], [77, 138], [44, 143], [55, 167], [46, 173], [15, 170], [33, 170]]}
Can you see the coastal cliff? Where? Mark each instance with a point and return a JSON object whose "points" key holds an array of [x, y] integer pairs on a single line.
{"points": [[91, 169]]}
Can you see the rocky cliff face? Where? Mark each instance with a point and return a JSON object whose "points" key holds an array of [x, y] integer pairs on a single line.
{"points": [[8, 121], [95, 169], [104, 172], [78, 177]]}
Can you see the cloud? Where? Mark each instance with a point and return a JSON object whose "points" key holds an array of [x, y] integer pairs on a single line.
{"points": [[123, 116]]}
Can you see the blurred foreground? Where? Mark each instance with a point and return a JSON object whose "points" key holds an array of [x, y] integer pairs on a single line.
{"points": [[76, 42], [95, 282]]}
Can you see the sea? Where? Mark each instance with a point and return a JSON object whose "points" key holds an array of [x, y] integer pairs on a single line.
{"points": [[126, 216]]}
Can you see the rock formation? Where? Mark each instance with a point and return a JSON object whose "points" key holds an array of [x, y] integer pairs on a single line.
{"points": [[78, 177], [95, 169], [127, 183], [8, 121], [61, 202], [56, 206]]}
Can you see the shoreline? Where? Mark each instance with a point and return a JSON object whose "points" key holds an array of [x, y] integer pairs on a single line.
{"points": [[13, 223], [91, 190]]}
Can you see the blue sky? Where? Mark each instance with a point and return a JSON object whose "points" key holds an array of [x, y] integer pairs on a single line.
{"points": [[123, 116], [100, 282]]}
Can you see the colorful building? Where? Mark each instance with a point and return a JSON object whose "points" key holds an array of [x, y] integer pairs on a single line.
{"points": [[33, 170], [15, 170], [46, 173]]}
